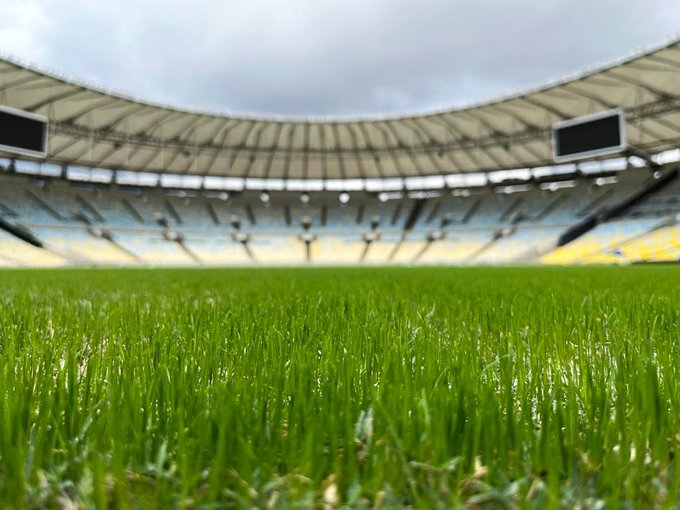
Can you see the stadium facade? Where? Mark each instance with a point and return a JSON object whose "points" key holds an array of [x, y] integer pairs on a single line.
{"points": [[127, 182]]}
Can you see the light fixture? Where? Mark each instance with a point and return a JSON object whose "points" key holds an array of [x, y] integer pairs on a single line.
{"points": [[264, 197], [304, 198], [344, 197]]}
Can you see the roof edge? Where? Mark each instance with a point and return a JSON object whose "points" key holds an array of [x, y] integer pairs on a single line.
{"points": [[319, 119]]}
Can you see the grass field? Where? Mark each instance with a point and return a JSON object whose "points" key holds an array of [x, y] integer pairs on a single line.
{"points": [[276, 388]]}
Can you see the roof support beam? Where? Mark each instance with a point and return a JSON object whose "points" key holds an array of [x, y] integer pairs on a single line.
{"points": [[421, 138], [273, 149], [305, 151], [632, 81], [288, 154], [528, 126], [515, 117], [457, 135], [356, 153], [372, 149], [665, 68], [542, 106], [256, 142], [432, 140], [97, 105], [224, 131], [242, 144], [394, 155], [665, 60], [65, 146], [18, 83], [494, 132], [154, 128], [129, 110], [338, 151], [322, 143], [59, 97]]}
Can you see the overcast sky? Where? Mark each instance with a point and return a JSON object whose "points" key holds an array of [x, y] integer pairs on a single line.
{"points": [[327, 57]]}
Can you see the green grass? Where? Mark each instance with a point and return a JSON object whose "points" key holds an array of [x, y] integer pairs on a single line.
{"points": [[277, 388]]}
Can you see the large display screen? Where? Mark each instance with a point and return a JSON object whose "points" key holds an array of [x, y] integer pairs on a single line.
{"points": [[22, 132], [594, 135]]}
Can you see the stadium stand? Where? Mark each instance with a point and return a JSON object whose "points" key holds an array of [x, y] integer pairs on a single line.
{"points": [[123, 225]]}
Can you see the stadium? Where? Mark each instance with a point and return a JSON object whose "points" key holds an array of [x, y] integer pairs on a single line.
{"points": [[209, 310], [124, 182]]}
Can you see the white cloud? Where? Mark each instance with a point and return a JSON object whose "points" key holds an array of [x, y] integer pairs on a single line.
{"points": [[21, 24], [341, 57]]}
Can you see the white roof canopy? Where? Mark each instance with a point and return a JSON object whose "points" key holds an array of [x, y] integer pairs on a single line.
{"points": [[95, 128]]}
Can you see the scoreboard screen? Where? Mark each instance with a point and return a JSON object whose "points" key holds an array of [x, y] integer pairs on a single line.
{"points": [[22, 132], [594, 135]]}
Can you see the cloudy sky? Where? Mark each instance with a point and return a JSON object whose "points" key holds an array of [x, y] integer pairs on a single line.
{"points": [[327, 57]]}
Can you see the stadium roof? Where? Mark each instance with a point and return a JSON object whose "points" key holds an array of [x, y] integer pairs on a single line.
{"points": [[92, 127]]}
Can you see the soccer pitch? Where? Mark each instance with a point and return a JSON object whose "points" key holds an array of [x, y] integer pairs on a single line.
{"points": [[332, 387]]}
